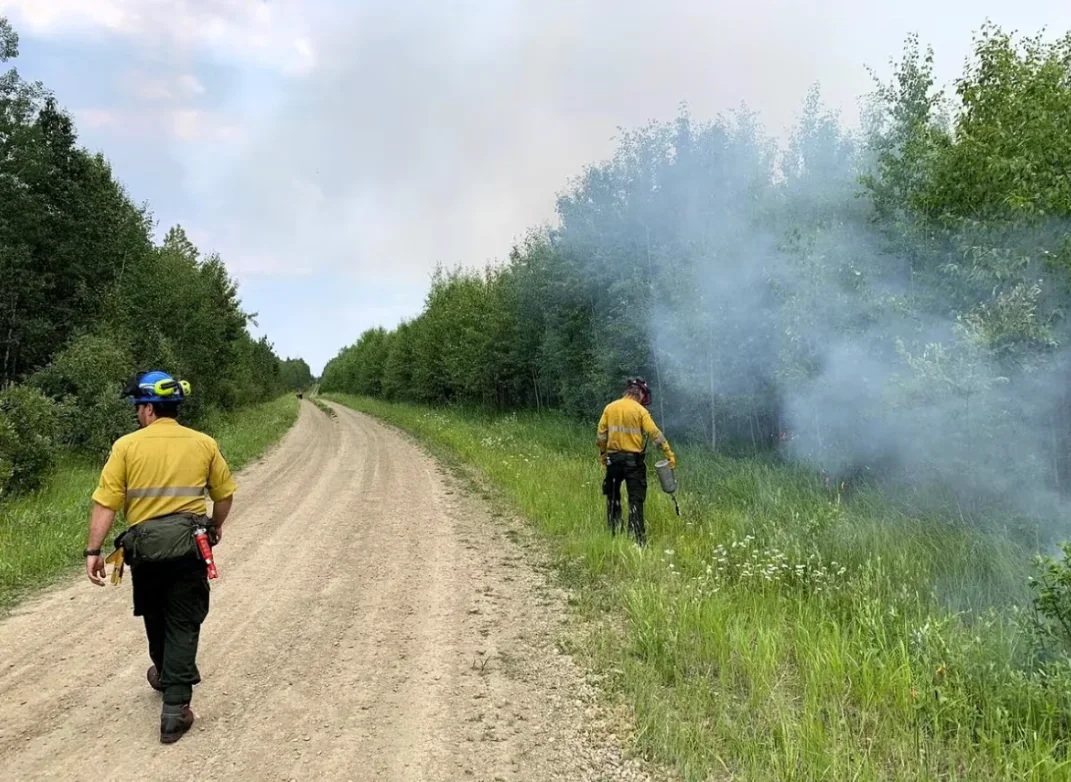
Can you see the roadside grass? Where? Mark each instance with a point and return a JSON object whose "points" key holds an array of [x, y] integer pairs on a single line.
{"points": [[245, 435], [776, 631], [323, 408], [42, 534]]}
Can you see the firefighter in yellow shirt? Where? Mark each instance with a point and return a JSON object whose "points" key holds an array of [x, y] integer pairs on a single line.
{"points": [[625, 428], [159, 476]]}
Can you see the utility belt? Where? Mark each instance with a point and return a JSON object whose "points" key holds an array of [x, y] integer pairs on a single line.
{"points": [[168, 538], [626, 458]]}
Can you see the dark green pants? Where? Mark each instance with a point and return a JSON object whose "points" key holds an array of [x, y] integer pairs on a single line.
{"points": [[630, 469], [172, 598]]}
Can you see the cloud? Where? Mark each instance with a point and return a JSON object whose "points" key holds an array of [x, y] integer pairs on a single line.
{"points": [[440, 133], [379, 138], [42, 16], [182, 125], [197, 125], [253, 31], [165, 87], [98, 118]]}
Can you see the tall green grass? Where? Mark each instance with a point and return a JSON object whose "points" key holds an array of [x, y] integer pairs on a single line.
{"points": [[323, 408], [776, 631], [42, 534], [246, 434]]}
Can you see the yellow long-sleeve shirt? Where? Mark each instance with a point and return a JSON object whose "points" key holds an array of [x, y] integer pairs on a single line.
{"points": [[627, 426]]}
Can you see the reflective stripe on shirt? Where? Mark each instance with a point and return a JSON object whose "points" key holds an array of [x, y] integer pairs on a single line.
{"points": [[165, 491]]}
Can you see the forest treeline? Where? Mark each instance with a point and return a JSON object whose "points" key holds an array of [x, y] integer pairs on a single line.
{"points": [[888, 300], [87, 297]]}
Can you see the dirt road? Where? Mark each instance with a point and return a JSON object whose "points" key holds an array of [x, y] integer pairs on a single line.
{"points": [[371, 622]]}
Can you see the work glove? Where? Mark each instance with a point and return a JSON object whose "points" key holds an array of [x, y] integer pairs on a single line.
{"points": [[116, 560], [672, 461]]}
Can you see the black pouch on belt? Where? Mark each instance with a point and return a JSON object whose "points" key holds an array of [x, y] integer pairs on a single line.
{"points": [[163, 539]]}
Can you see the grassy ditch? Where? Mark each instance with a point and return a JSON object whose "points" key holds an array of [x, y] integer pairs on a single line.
{"points": [[776, 630], [42, 534], [323, 408]]}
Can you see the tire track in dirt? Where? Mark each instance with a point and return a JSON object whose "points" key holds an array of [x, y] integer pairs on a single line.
{"points": [[371, 622]]}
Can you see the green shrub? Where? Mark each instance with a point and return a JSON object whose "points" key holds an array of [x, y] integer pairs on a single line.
{"points": [[28, 431], [9, 445], [85, 379], [1052, 598]]}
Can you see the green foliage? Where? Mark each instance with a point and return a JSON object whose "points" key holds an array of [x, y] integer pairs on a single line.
{"points": [[362, 365], [246, 434], [84, 378], [458, 349], [9, 41], [66, 231], [28, 438], [904, 132], [181, 312], [295, 375], [1008, 149], [397, 369], [1052, 598]]}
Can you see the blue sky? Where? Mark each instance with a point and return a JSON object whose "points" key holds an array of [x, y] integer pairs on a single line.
{"points": [[333, 152]]}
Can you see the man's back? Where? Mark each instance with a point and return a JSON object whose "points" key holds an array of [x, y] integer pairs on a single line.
{"points": [[162, 469], [625, 423]]}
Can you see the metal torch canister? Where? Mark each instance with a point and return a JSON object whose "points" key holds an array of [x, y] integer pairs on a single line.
{"points": [[668, 482], [666, 477]]}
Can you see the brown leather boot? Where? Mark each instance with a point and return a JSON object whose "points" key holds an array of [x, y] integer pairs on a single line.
{"points": [[175, 720], [154, 678]]}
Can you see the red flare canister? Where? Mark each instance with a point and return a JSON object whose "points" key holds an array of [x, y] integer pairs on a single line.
{"points": [[201, 536]]}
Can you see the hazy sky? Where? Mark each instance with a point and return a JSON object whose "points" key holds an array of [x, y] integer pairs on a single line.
{"points": [[332, 152]]}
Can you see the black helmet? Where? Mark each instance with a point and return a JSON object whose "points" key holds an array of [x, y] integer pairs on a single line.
{"points": [[641, 384]]}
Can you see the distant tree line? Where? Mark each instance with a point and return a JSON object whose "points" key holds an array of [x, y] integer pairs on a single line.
{"points": [[87, 298], [295, 375], [891, 300]]}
